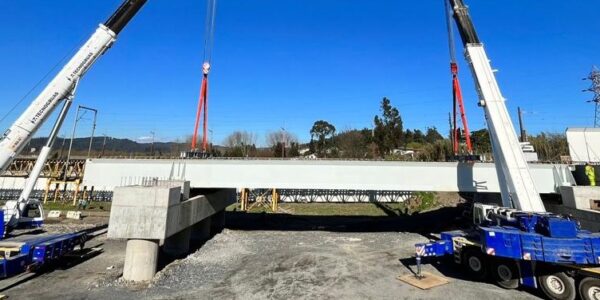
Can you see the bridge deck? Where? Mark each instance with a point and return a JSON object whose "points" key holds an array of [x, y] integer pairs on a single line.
{"points": [[105, 174]]}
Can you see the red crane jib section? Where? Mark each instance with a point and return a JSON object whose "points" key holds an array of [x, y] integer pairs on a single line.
{"points": [[458, 99], [202, 107]]}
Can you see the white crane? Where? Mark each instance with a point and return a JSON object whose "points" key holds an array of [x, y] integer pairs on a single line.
{"points": [[516, 184], [61, 88]]}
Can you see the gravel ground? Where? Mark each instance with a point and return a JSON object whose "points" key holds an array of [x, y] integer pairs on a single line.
{"points": [[284, 259], [267, 264]]}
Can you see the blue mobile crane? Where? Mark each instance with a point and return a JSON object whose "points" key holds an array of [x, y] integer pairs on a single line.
{"points": [[516, 248], [524, 245]]}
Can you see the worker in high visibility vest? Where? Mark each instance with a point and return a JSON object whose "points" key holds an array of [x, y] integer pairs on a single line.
{"points": [[591, 174]]}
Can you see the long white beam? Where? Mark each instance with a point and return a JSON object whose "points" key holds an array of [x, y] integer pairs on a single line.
{"points": [[106, 174]]}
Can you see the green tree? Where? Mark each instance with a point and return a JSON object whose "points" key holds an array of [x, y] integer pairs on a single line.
{"points": [[388, 128], [436, 151], [418, 136], [280, 141], [278, 149], [481, 141], [353, 143], [433, 135], [294, 150], [550, 146], [319, 133], [409, 137]]}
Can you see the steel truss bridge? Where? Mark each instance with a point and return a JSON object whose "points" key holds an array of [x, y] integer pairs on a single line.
{"points": [[53, 168]]}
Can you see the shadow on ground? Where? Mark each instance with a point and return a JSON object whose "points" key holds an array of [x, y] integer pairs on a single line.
{"points": [[425, 223]]}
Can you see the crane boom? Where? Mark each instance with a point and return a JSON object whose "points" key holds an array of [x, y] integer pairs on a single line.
{"points": [[516, 182], [16, 137]]}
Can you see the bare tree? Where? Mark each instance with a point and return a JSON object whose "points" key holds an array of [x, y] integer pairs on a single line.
{"points": [[239, 139], [279, 140], [281, 136]]}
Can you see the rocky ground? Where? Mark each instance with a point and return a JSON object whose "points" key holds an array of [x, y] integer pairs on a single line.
{"points": [[279, 257]]}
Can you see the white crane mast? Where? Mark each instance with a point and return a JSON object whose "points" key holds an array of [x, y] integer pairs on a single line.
{"points": [[516, 183], [61, 88], [16, 137]]}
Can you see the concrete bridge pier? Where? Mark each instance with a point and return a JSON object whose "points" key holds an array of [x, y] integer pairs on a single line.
{"points": [[147, 215], [141, 257]]}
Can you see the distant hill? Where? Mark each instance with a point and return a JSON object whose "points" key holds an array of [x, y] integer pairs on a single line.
{"points": [[113, 147]]}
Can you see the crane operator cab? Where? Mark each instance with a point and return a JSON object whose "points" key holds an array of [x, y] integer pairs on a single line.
{"points": [[23, 214]]}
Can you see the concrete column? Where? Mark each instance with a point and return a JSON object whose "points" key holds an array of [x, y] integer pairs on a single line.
{"points": [[201, 230], [218, 222], [179, 243], [141, 257]]}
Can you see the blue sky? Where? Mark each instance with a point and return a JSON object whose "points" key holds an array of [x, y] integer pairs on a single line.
{"points": [[288, 63]]}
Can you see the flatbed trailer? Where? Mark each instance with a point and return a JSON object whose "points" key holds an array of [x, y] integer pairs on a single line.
{"points": [[31, 252], [537, 250]]}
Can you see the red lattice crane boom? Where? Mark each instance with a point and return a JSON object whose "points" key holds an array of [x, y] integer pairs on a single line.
{"points": [[202, 111]]}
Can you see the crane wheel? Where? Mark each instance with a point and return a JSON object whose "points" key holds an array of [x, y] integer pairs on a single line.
{"points": [[558, 286], [475, 262], [505, 273], [589, 288]]}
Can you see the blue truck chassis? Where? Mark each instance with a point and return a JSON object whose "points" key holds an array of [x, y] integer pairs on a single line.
{"points": [[524, 249], [29, 253]]}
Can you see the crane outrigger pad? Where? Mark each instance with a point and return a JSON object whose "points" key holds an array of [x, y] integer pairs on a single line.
{"points": [[425, 281]]}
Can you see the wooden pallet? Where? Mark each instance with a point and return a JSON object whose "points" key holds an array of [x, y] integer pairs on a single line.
{"points": [[427, 281]]}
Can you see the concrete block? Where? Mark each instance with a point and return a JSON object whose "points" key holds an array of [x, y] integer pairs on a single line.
{"points": [[137, 222], [76, 215], [53, 214], [142, 212], [580, 197], [141, 257], [148, 196], [134, 217], [184, 184]]}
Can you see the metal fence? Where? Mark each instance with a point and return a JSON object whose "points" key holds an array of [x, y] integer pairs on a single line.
{"points": [[59, 195]]}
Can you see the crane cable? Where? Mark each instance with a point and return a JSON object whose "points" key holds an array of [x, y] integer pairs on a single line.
{"points": [[203, 97], [456, 90]]}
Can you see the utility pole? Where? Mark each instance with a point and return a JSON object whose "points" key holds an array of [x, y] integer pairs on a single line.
{"points": [[283, 137], [521, 126], [103, 146], [152, 145], [594, 76], [77, 118], [210, 142], [93, 128], [62, 147]]}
